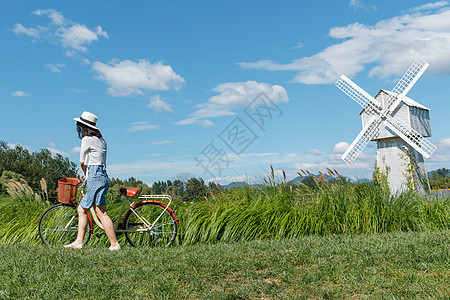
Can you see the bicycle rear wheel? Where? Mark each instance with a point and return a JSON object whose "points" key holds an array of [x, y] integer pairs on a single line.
{"points": [[163, 233], [59, 225]]}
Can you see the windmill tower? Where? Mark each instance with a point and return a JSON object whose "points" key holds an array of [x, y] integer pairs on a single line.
{"points": [[399, 125]]}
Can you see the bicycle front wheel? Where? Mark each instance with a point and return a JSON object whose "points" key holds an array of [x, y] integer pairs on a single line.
{"points": [[142, 216], [59, 225]]}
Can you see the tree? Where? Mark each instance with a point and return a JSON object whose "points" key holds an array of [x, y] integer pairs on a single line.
{"points": [[195, 190], [179, 184], [174, 192], [116, 184], [159, 187], [36, 165], [443, 172], [213, 187], [309, 181], [440, 178]]}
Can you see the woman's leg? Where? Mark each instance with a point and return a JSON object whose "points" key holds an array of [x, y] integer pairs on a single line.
{"points": [[82, 224], [107, 224]]}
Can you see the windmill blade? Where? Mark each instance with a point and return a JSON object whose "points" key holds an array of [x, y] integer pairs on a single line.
{"points": [[412, 137], [408, 80], [361, 141], [356, 93], [411, 76]]}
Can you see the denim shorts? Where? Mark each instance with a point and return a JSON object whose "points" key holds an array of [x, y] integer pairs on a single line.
{"points": [[97, 184]]}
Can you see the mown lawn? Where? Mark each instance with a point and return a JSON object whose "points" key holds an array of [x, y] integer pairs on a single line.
{"points": [[388, 265]]}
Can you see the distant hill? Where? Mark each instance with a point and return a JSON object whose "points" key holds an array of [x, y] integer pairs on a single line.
{"points": [[298, 179], [239, 184], [295, 181]]}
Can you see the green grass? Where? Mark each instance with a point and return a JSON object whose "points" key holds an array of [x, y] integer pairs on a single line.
{"points": [[19, 220], [341, 241], [389, 265], [275, 211]]}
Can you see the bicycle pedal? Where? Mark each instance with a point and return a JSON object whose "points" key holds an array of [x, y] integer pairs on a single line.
{"points": [[99, 234]]}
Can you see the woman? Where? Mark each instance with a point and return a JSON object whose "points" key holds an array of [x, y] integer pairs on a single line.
{"points": [[93, 164]]}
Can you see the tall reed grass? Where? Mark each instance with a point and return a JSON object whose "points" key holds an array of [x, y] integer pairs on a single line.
{"points": [[20, 190], [20, 213], [332, 207], [277, 210], [19, 220]]}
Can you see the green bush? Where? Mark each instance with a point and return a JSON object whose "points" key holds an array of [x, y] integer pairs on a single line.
{"points": [[33, 166], [440, 179]]}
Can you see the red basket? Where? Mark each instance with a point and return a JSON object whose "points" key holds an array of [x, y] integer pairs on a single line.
{"points": [[67, 189]]}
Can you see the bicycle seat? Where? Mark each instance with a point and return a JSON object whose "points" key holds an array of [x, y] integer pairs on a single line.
{"points": [[129, 192]]}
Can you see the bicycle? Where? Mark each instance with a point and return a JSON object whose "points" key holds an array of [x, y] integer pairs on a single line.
{"points": [[148, 222]]}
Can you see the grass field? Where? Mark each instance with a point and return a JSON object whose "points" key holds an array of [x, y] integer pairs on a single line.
{"points": [[338, 241], [384, 265]]}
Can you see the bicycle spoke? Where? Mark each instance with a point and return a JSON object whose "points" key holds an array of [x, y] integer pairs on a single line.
{"points": [[162, 233], [59, 225]]}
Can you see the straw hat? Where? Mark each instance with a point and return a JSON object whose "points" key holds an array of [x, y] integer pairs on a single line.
{"points": [[88, 119]]}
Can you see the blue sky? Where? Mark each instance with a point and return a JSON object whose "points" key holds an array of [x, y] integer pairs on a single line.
{"points": [[172, 80]]}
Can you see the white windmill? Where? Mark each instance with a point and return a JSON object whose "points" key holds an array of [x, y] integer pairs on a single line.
{"points": [[399, 125]]}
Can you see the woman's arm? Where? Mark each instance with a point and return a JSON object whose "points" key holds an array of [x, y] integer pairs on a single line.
{"points": [[83, 167]]}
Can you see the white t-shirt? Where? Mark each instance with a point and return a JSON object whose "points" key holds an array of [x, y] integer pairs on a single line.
{"points": [[93, 151]]}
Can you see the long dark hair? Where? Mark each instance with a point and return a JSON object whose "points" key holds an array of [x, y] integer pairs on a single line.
{"points": [[84, 130]]}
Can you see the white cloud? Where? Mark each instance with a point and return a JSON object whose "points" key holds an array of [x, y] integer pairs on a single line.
{"points": [[441, 157], [76, 149], [430, 6], [254, 165], [54, 151], [12, 146], [340, 147], [55, 68], [212, 110], [162, 142], [269, 65], [20, 94], [237, 178], [142, 168], [78, 36], [127, 77], [157, 104], [264, 154], [238, 94], [388, 47], [52, 147], [355, 3], [445, 143], [153, 154], [187, 121], [358, 4], [201, 122], [70, 35], [78, 91], [142, 126], [298, 46], [55, 16], [442, 153], [206, 123], [233, 95], [315, 152], [292, 163], [19, 29]]}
